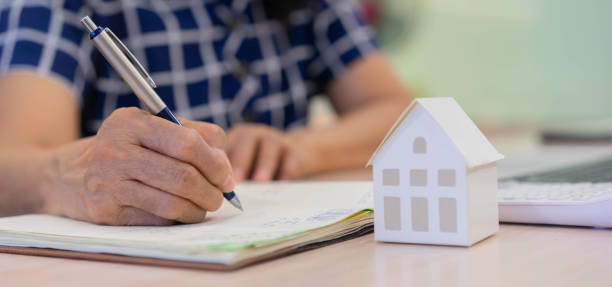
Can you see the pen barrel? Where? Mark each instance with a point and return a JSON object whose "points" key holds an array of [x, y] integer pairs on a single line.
{"points": [[128, 72]]}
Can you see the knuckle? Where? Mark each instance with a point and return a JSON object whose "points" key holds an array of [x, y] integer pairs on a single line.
{"points": [[219, 169], [101, 150], [185, 177], [216, 202], [104, 157], [100, 209], [199, 216], [217, 131], [172, 209], [218, 135], [189, 142], [94, 183], [217, 162], [192, 136], [195, 217]]}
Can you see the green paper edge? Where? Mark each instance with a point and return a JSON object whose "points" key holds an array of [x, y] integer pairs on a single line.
{"points": [[255, 244]]}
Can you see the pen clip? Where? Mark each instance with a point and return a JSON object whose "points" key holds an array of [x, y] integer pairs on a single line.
{"points": [[132, 58]]}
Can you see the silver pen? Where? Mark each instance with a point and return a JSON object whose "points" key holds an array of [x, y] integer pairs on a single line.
{"points": [[135, 76]]}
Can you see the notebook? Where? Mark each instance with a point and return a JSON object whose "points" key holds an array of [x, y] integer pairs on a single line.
{"points": [[278, 219]]}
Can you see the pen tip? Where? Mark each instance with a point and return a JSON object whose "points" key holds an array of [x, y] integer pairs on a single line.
{"points": [[236, 203]]}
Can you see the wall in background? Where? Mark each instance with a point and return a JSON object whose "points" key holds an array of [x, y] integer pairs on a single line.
{"points": [[509, 61]]}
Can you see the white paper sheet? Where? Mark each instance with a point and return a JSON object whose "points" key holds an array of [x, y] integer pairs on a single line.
{"points": [[272, 211]]}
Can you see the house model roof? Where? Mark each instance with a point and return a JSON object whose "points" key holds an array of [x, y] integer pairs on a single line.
{"points": [[469, 140]]}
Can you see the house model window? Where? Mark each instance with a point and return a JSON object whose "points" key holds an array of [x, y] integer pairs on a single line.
{"points": [[419, 145], [390, 177], [446, 177], [418, 177]]}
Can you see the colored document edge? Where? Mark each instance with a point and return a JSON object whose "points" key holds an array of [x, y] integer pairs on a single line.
{"points": [[256, 244]]}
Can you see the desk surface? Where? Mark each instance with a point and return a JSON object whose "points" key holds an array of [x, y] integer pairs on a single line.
{"points": [[518, 255]]}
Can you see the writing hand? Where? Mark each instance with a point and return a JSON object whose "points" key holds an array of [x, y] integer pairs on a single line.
{"points": [[143, 170]]}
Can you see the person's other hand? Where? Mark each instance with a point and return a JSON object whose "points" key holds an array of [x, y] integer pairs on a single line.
{"points": [[262, 153], [143, 170]]}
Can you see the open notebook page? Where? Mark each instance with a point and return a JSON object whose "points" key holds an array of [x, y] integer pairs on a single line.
{"points": [[273, 212]]}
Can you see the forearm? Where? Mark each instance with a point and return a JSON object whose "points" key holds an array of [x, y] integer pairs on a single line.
{"points": [[36, 116], [350, 141], [21, 173], [39, 179]]}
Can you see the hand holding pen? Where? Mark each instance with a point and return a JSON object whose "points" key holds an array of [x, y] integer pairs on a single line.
{"points": [[141, 169]]}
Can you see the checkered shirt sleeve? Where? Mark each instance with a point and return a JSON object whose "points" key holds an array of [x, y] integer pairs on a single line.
{"points": [[45, 38]]}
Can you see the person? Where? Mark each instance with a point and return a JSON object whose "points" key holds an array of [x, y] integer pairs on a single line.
{"points": [[74, 143]]}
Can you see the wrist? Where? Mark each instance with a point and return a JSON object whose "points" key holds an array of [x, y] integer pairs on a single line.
{"points": [[309, 150], [21, 178], [62, 179], [50, 186]]}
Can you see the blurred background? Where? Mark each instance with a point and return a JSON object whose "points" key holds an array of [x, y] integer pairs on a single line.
{"points": [[507, 62]]}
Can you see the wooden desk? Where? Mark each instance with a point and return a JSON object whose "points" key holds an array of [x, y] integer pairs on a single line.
{"points": [[518, 255]]}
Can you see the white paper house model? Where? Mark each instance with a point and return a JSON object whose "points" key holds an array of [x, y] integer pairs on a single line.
{"points": [[435, 178]]}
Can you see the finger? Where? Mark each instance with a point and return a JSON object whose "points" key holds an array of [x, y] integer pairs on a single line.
{"points": [[134, 216], [242, 155], [267, 159], [159, 203], [226, 158], [289, 167], [186, 145], [212, 134], [173, 176]]}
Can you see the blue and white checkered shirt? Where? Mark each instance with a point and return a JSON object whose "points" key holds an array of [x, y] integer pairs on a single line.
{"points": [[223, 61]]}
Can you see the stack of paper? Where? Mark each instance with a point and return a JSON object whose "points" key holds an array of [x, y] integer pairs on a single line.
{"points": [[279, 218]]}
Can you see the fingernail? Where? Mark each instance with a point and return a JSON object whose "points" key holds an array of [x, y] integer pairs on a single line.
{"points": [[262, 174], [238, 174], [229, 183]]}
